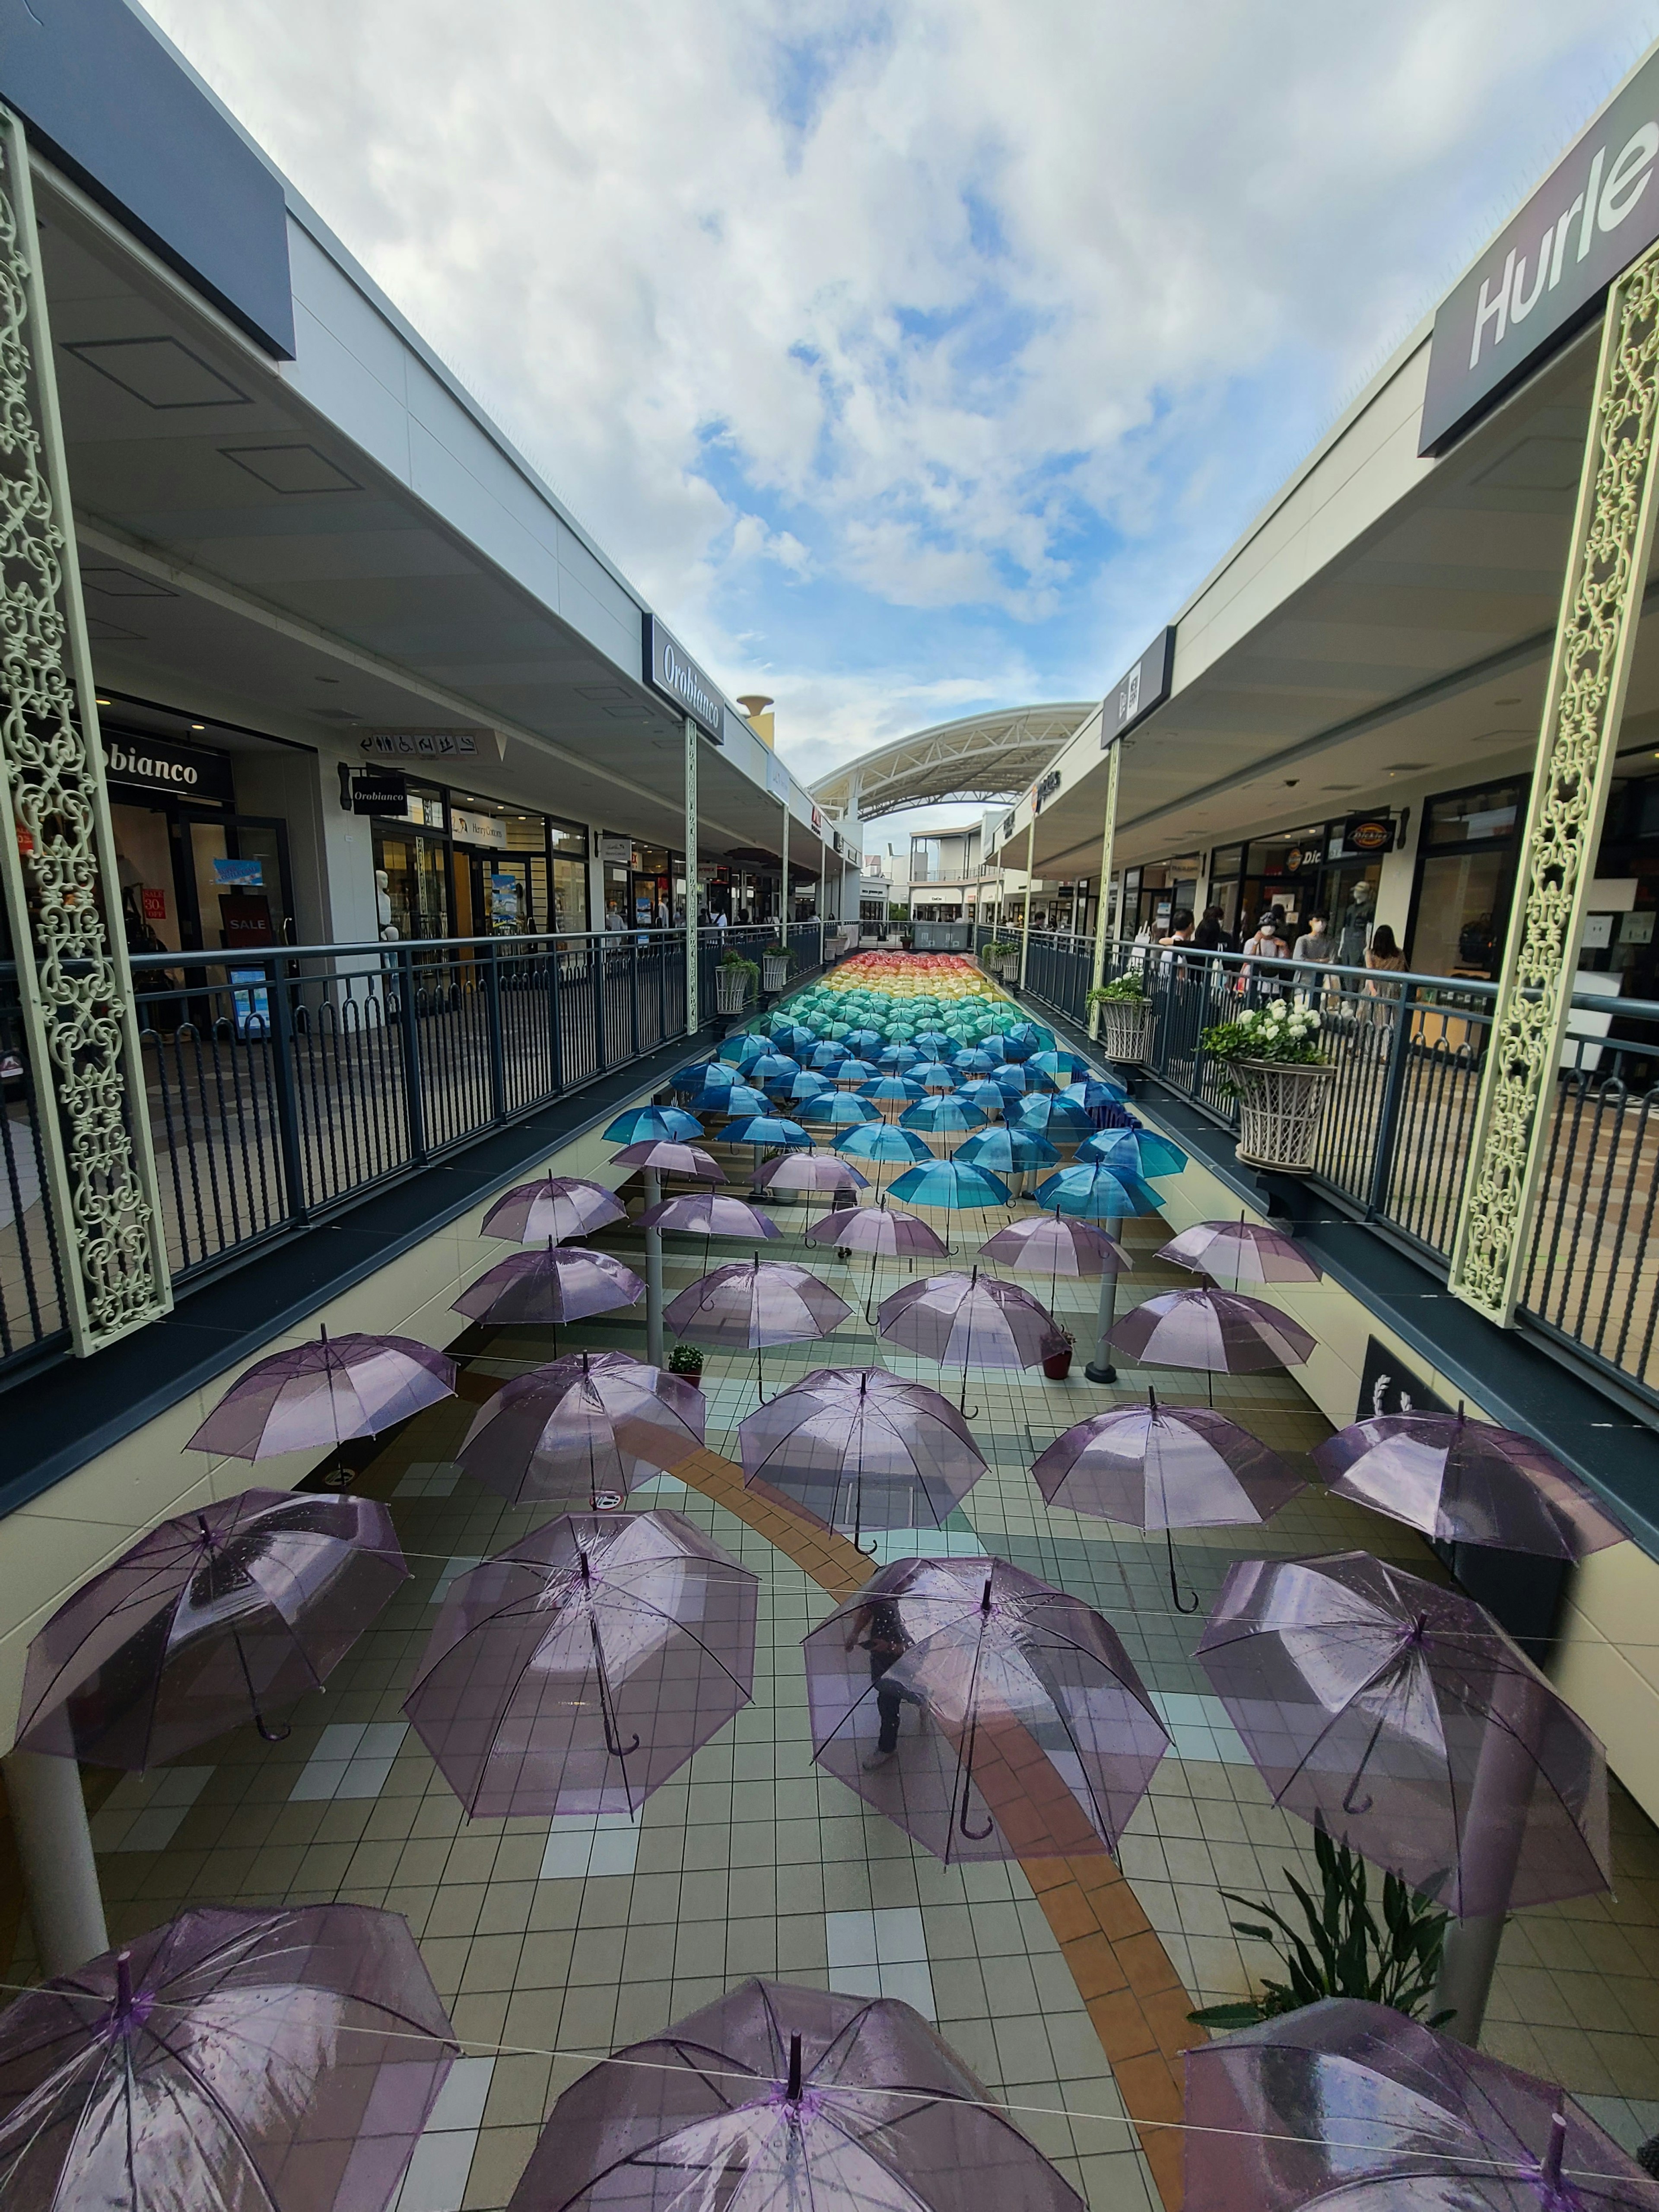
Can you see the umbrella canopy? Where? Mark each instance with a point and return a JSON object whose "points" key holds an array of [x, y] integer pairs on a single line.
{"points": [[942, 1117], [323, 1393], [554, 1208], [744, 1049], [1239, 1252], [892, 1090], [997, 1045], [743, 1099], [1012, 1079], [839, 1110], [641, 1123], [829, 1052], [1166, 1467], [774, 1067], [565, 1283], [867, 1043], [754, 1303], [688, 1160], [589, 1422], [1094, 1094], [1090, 1192], [990, 1097], [233, 2058], [1401, 1717], [1354, 2104], [816, 1172], [775, 2099], [577, 1670], [953, 1184], [709, 1214], [766, 1130], [899, 1057], [807, 1085], [219, 1616], [853, 1072], [1053, 1118], [1220, 1331], [934, 1075], [1007, 1151], [1050, 1245], [971, 1060], [1037, 1738], [1032, 1038], [1465, 1482], [856, 1445], [1062, 1064], [702, 1075], [881, 1229], [935, 1044], [1144, 1153], [883, 1142], [970, 1321]]}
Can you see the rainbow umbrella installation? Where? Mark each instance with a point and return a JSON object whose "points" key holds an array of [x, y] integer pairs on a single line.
{"points": [[1398, 1718], [1166, 1467], [1348, 2103], [582, 1430], [325, 1392], [231, 2058], [1036, 1737], [221, 1615], [882, 1231], [579, 1669], [552, 1208], [858, 1447], [778, 2099], [746, 1306], [970, 1321]]}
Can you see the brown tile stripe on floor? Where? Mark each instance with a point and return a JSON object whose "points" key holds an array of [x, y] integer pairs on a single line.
{"points": [[1123, 1973]]}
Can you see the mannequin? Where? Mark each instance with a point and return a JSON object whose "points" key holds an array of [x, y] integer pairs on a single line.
{"points": [[1355, 933], [383, 908]]}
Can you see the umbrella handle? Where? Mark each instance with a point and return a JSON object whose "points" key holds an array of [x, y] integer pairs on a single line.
{"points": [[1348, 1803], [613, 1742], [974, 1835], [1175, 1587]]}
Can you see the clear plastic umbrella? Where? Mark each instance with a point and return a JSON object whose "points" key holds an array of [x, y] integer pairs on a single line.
{"points": [[1239, 1252], [553, 1208], [234, 2059], [577, 1670], [1349, 2104], [1221, 1332], [749, 1305], [565, 1283], [663, 1158], [884, 1232], [581, 1431], [708, 1214], [1035, 1735], [324, 1392], [219, 1615], [781, 2100], [1053, 1244], [970, 1321], [857, 1447]]}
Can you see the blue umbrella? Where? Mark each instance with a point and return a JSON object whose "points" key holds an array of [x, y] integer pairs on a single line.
{"points": [[899, 1057], [942, 1117], [865, 1041], [857, 1070], [774, 1067], [1059, 1063], [828, 1054], [766, 1129], [1052, 1117], [1089, 1192], [888, 1090], [702, 1075], [882, 1141], [839, 1109], [1032, 1035], [989, 1098], [643, 1123], [951, 1183], [1095, 1093], [997, 1045], [788, 1036], [973, 1062], [934, 1075], [1008, 1151], [1010, 1076], [744, 1049], [1143, 1152], [809, 1083], [934, 1043]]}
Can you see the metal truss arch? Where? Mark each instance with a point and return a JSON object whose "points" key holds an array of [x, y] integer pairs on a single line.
{"points": [[984, 757]]}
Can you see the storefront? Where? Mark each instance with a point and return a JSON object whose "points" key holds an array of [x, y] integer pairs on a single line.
{"points": [[644, 884], [1333, 868], [1467, 858], [456, 865]]}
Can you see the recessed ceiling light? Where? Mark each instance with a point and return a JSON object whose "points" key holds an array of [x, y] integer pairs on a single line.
{"points": [[103, 702], [198, 726], [1515, 702], [325, 679]]}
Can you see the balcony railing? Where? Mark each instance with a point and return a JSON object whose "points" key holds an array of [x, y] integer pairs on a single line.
{"points": [[284, 1085], [1410, 1053]]}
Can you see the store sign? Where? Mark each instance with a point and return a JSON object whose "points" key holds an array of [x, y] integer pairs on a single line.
{"points": [[239, 875], [379, 791], [157, 764], [1046, 790], [1546, 274], [478, 829], [671, 670], [155, 904], [1140, 690], [1369, 834], [818, 822], [619, 851], [428, 744]]}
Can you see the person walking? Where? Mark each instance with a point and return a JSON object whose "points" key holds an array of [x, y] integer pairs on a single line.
{"points": [[1266, 943], [1382, 957], [878, 1629], [1315, 949]]}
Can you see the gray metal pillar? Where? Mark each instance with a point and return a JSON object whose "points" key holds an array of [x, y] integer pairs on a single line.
{"points": [[1100, 1367], [1025, 924], [693, 1013], [652, 1273], [60, 1876]]}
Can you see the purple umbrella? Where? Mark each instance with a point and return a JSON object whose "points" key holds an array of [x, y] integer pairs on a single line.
{"points": [[237, 1607], [232, 2059], [1400, 1716], [553, 1208], [1344, 2103], [580, 1668], [1166, 1467], [582, 1430], [565, 1283], [1035, 1738], [1222, 1332], [1239, 1252], [749, 1305], [781, 2100], [708, 1214], [665, 1158], [805, 1172], [970, 1321], [884, 1233], [323, 1393], [858, 1445], [1465, 1482], [1054, 1244]]}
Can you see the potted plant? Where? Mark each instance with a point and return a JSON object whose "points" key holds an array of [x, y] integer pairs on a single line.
{"points": [[1122, 1017], [733, 980], [776, 961], [1275, 1069], [686, 1359], [1058, 1365], [1001, 957]]}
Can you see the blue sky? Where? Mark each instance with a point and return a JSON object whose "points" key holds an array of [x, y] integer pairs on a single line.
{"points": [[919, 357]]}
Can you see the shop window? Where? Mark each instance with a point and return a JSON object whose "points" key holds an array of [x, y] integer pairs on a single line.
{"points": [[1466, 880]]}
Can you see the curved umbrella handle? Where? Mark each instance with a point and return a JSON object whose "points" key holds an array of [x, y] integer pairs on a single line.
{"points": [[974, 1835], [1348, 1800], [613, 1742]]}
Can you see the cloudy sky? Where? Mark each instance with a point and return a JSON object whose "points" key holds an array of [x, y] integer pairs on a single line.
{"points": [[913, 357]]}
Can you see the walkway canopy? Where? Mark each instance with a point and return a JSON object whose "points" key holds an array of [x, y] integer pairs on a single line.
{"points": [[983, 756]]}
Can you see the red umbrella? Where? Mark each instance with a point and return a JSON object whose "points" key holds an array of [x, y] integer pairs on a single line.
{"points": [[551, 1209], [582, 1430], [323, 1393]]}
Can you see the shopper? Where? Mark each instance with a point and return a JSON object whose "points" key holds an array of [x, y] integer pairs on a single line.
{"points": [[879, 1630], [1266, 944], [1211, 935], [1315, 949]]}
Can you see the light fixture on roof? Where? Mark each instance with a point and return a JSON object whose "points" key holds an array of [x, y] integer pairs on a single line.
{"points": [[198, 726], [102, 701]]}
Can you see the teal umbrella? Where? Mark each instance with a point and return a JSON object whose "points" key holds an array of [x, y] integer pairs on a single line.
{"points": [[882, 1141], [990, 1097], [951, 1183], [1053, 1118], [942, 1117], [641, 1123], [889, 1090], [934, 1075], [838, 1109], [1143, 1152], [1007, 1151], [766, 1129], [1091, 1191], [1059, 1064], [856, 1071]]}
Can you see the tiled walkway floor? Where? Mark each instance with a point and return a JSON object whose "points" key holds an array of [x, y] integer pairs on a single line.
{"points": [[551, 1948]]}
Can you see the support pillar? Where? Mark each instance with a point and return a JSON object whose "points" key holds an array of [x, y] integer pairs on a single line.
{"points": [[54, 1844], [783, 889], [693, 1013], [57, 869], [1108, 833], [1590, 675], [652, 1273], [1025, 923], [1101, 1369]]}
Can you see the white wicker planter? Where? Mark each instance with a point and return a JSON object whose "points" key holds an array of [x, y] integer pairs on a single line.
{"points": [[1126, 1029], [731, 990], [1280, 1107], [774, 972]]}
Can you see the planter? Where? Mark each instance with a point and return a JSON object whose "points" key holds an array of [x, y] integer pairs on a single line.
{"points": [[1280, 1107], [731, 990], [775, 973], [1058, 1365], [1126, 1029]]}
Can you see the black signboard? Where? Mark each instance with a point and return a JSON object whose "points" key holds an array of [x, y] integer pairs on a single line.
{"points": [[1369, 834], [1046, 790], [159, 764], [379, 791], [1140, 690], [1389, 1386], [671, 670]]}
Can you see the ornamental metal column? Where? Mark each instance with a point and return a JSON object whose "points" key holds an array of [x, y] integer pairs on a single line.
{"points": [[1590, 674], [58, 865], [693, 1013], [1114, 762], [1025, 923], [783, 888]]}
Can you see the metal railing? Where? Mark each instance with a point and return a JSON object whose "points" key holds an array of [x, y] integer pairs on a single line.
{"points": [[1409, 1052], [283, 1084]]}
